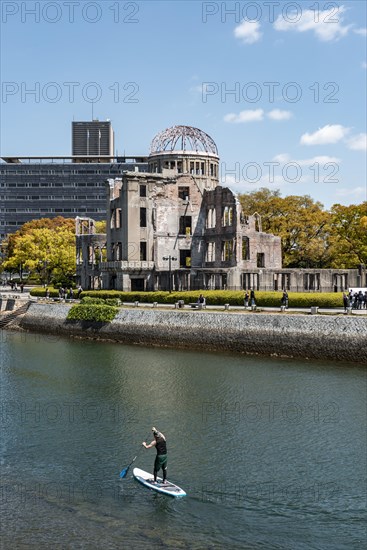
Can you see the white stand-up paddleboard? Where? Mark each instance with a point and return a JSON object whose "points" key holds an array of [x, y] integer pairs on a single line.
{"points": [[167, 488]]}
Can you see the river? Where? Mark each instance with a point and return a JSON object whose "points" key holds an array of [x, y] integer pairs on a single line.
{"points": [[271, 452]]}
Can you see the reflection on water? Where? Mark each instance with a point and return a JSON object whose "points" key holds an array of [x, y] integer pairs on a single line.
{"points": [[272, 453]]}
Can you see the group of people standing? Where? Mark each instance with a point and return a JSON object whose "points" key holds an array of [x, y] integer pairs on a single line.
{"points": [[65, 294], [356, 300], [249, 298]]}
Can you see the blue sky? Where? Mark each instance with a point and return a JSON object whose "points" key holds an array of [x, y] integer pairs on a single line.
{"points": [[296, 117]]}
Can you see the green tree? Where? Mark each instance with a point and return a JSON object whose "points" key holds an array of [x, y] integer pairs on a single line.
{"points": [[100, 227], [301, 223], [43, 247], [348, 235]]}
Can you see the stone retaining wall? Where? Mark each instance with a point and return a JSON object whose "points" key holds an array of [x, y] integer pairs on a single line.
{"points": [[339, 338], [10, 302]]}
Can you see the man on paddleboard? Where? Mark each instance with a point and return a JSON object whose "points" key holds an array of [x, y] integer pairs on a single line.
{"points": [[160, 444]]}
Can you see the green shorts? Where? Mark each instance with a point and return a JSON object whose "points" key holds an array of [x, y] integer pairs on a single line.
{"points": [[160, 462]]}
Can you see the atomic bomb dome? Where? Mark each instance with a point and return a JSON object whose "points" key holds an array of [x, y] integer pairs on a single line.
{"points": [[183, 139], [186, 150]]}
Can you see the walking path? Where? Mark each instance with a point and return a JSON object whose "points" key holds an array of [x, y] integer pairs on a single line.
{"points": [[7, 292]]}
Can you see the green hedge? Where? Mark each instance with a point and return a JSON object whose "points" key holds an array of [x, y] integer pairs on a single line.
{"points": [[92, 312], [40, 292], [213, 297], [221, 297]]}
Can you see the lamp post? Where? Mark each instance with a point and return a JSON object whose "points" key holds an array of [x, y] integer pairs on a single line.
{"points": [[169, 258]]}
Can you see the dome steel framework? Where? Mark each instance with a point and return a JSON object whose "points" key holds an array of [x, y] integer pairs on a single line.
{"points": [[183, 138]]}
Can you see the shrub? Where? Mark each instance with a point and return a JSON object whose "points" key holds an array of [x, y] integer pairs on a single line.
{"points": [[92, 312], [221, 297], [89, 300], [40, 292]]}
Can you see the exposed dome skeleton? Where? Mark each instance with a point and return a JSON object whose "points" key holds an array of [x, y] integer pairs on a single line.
{"points": [[183, 138]]}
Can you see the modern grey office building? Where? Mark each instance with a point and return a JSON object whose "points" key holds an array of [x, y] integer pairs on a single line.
{"points": [[92, 138], [46, 187]]}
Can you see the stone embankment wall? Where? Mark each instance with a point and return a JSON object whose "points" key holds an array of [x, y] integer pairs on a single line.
{"points": [[341, 338], [10, 302]]}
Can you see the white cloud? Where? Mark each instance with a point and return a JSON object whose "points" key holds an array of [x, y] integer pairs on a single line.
{"points": [[326, 24], [331, 133], [322, 160], [362, 32], [284, 174], [245, 116], [248, 32], [257, 115], [358, 142], [278, 114], [364, 65], [282, 158]]}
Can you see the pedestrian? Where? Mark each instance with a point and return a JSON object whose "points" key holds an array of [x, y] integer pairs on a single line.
{"points": [[252, 297], [201, 300], [284, 300], [71, 293], [80, 290], [47, 293], [246, 299], [346, 301], [160, 444]]}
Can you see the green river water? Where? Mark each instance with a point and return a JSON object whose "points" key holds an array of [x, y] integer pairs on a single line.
{"points": [[271, 452]]}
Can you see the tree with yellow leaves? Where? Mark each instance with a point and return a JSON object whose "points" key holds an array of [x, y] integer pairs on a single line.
{"points": [[44, 247]]}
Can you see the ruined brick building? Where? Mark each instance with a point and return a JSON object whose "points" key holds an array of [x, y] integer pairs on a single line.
{"points": [[175, 227]]}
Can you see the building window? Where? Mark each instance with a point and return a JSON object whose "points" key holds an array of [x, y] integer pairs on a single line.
{"points": [[143, 217], [227, 251], [118, 218], [227, 216], [185, 225], [137, 285], [184, 193], [210, 218], [250, 280], [260, 259], [312, 281], [143, 190], [210, 252], [185, 258], [143, 251], [245, 248]]}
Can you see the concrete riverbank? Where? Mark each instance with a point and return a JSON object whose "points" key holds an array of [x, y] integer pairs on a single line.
{"points": [[338, 338]]}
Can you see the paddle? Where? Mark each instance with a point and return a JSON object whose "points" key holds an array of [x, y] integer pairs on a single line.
{"points": [[125, 470], [123, 473]]}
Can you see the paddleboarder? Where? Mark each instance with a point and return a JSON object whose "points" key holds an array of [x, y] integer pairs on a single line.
{"points": [[159, 442]]}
